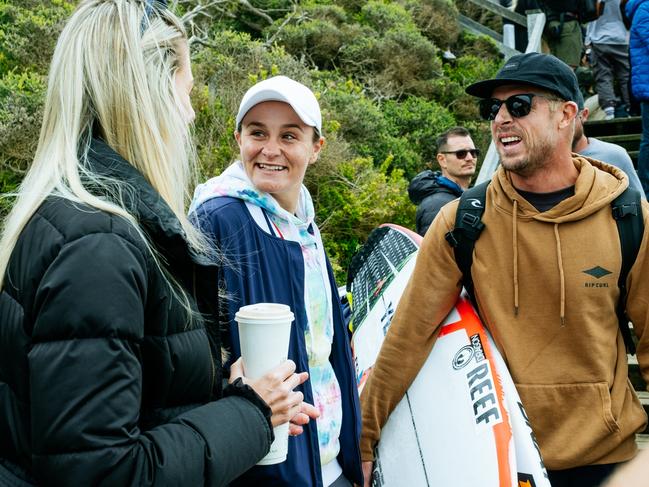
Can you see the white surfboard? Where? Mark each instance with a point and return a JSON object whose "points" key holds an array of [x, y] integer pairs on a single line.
{"points": [[461, 422]]}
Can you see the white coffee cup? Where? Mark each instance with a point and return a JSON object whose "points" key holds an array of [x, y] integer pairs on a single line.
{"points": [[264, 334]]}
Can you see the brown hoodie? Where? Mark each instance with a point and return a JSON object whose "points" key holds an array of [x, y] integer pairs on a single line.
{"points": [[546, 286]]}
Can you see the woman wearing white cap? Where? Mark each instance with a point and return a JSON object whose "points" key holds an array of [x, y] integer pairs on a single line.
{"points": [[261, 217]]}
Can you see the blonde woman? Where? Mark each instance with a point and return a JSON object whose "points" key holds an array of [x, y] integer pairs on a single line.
{"points": [[110, 362]]}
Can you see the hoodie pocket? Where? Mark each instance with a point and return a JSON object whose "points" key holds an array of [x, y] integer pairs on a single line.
{"points": [[573, 423]]}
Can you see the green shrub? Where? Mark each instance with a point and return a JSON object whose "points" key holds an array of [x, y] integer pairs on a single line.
{"points": [[436, 19], [28, 33], [419, 122], [355, 199], [385, 16], [21, 112], [319, 41], [407, 61]]}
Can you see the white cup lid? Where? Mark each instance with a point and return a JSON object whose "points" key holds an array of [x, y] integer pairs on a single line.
{"points": [[264, 312]]}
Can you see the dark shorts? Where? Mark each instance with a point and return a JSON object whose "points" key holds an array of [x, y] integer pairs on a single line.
{"points": [[588, 476]]}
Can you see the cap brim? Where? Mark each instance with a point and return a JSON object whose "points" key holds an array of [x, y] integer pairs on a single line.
{"points": [[273, 95], [484, 89]]}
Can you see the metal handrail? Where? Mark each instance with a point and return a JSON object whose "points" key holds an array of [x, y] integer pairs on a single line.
{"points": [[504, 12]]}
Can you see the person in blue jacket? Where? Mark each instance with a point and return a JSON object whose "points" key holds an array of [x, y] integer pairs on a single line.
{"points": [[261, 217], [637, 12]]}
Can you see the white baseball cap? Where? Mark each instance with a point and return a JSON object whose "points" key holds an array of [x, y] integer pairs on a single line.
{"points": [[282, 88]]}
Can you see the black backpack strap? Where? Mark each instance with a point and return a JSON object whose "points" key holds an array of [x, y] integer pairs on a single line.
{"points": [[627, 211], [468, 226]]}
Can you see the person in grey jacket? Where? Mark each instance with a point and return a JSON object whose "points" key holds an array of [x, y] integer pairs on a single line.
{"points": [[457, 157], [110, 347], [607, 152]]}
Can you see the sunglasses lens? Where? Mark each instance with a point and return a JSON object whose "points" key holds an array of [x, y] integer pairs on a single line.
{"points": [[489, 108], [461, 154], [519, 105]]}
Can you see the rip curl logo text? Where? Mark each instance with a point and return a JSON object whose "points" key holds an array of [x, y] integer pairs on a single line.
{"points": [[597, 272]]}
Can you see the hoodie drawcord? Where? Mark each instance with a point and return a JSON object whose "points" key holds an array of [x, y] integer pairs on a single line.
{"points": [[515, 251], [561, 275]]}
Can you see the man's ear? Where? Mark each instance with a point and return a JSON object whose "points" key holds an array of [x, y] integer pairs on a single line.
{"points": [[569, 112], [441, 160]]}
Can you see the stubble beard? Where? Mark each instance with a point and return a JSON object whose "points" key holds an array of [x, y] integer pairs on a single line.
{"points": [[536, 157]]}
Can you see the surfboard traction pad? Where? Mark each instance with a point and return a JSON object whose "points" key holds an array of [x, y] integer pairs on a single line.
{"points": [[518, 459], [375, 266]]}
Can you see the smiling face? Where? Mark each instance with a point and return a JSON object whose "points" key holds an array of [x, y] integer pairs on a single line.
{"points": [[276, 148], [527, 143]]}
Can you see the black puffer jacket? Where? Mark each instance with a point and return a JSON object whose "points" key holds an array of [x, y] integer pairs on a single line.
{"points": [[102, 379], [430, 191]]}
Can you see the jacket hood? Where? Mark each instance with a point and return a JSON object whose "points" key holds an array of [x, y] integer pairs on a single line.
{"points": [[235, 183], [428, 182], [597, 185]]}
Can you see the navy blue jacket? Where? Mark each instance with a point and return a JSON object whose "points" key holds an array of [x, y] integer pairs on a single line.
{"points": [[264, 268], [638, 12], [430, 191]]}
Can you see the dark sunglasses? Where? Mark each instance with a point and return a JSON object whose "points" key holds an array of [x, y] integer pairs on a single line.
{"points": [[461, 154], [517, 105]]}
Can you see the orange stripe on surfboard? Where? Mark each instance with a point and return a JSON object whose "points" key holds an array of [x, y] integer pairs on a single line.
{"points": [[502, 431]]}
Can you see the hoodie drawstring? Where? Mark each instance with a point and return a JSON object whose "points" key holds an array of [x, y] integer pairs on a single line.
{"points": [[561, 275], [559, 262], [515, 251]]}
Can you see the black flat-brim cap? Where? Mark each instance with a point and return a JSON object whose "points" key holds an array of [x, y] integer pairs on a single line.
{"points": [[534, 69]]}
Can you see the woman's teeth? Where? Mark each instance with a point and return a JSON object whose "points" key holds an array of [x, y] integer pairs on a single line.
{"points": [[269, 167]]}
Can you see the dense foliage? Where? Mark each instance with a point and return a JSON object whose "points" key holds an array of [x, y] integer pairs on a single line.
{"points": [[376, 67]]}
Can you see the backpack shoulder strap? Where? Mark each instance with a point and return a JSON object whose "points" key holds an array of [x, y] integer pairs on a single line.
{"points": [[627, 212], [468, 226]]}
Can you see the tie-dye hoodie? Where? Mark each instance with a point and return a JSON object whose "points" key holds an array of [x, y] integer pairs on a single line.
{"points": [[300, 228]]}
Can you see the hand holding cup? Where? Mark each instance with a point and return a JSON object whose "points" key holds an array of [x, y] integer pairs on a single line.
{"points": [[276, 389], [264, 336]]}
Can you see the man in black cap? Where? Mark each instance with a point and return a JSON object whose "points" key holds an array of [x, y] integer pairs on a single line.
{"points": [[545, 274]]}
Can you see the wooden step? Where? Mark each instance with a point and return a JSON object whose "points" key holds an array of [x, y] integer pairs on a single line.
{"points": [[617, 126]]}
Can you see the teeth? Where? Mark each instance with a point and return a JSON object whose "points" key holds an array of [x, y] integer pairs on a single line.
{"points": [[506, 140], [270, 167]]}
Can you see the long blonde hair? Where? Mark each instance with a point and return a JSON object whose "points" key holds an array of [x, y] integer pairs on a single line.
{"points": [[112, 72]]}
